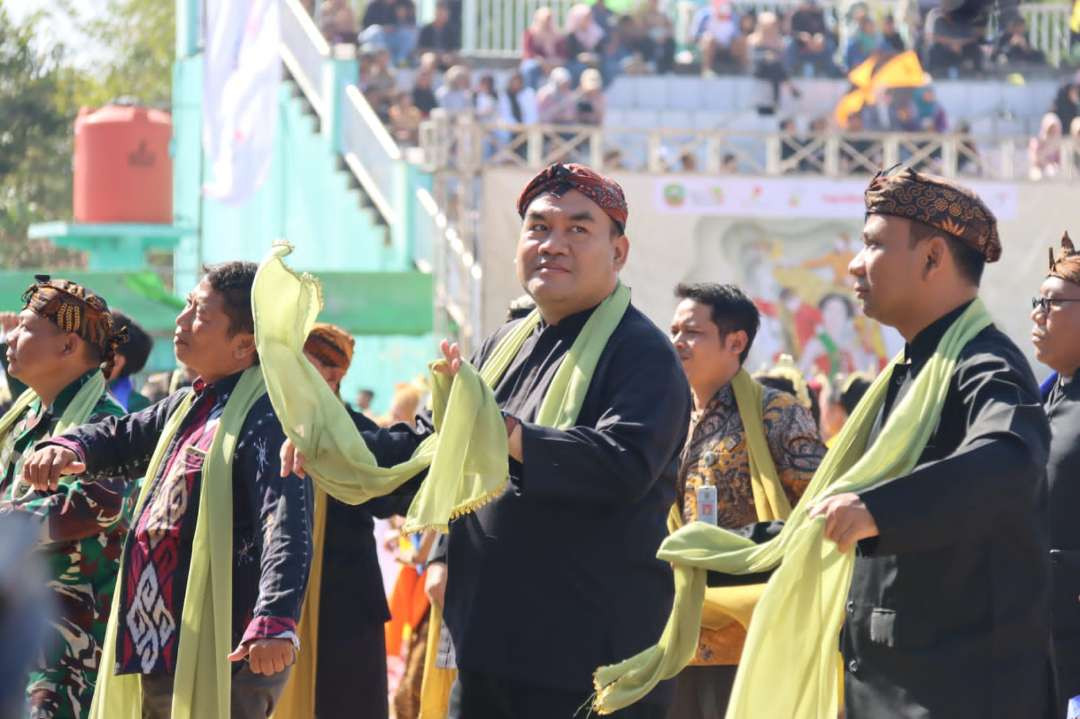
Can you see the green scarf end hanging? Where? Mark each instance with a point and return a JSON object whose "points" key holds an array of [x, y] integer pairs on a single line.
{"points": [[797, 620], [466, 457]]}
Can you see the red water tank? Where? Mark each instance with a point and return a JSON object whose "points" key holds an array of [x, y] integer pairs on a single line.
{"points": [[123, 171]]}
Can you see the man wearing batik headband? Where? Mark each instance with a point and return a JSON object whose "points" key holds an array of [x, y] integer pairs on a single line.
{"points": [[559, 574], [947, 611], [63, 340], [1056, 337]]}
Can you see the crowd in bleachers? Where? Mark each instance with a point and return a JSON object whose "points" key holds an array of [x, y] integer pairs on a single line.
{"points": [[408, 70]]}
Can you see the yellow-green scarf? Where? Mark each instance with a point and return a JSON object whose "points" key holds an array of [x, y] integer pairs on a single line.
{"points": [[724, 604], [202, 684], [76, 413], [466, 456], [770, 501], [813, 576]]}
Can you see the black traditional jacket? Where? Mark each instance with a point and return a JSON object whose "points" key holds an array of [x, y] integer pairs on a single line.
{"points": [[559, 575], [948, 612], [1063, 475]]}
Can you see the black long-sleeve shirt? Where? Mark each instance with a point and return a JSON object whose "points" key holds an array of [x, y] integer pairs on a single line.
{"points": [[1063, 476], [271, 518], [353, 591], [559, 575], [947, 613]]}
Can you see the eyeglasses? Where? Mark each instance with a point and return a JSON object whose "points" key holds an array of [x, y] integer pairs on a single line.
{"points": [[1044, 303]]}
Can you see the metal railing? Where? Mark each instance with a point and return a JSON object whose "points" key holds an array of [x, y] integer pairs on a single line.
{"points": [[494, 28], [326, 80], [371, 153], [458, 276], [468, 146], [304, 52]]}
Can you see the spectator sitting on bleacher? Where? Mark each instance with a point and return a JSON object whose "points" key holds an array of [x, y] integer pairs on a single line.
{"points": [[486, 100], [1044, 150], [766, 46], [602, 15], [441, 36], [377, 80], [403, 35], [405, 118], [556, 101], [892, 42], [542, 48], [812, 45], [716, 33], [1067, 101], [1013, 45], [903, 115], [517, 103], [590, 103], [657, 36], [967, 159], [338, 22], [455, 95], [862, 43], [583, 40], [624, 50], [952, 41], [378, 12], [928, 111], [857, 154], [423, 92]]}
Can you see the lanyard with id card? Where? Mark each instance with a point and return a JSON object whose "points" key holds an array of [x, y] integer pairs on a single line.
{"points": [[706, 504], [706, 495]]}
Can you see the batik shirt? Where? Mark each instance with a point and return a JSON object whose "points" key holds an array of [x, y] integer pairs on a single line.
{"points": [[271, 524], [716, 454], [83, 527]]}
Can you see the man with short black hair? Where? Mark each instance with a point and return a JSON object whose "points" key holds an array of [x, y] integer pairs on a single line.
{"points": [[441, 36], [130, 359], [937, 483], [555, 573], [947, 613], [213, 512], [713, 329]]}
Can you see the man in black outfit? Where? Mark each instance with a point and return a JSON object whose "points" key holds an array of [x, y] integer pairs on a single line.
{"points": [[947, 615]]}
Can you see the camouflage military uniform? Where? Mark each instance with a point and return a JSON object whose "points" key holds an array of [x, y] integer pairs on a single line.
{"points": [[82, 533]]}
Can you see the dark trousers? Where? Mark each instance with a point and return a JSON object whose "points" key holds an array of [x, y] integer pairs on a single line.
{"points": [[351, 679], [702, 692], [254, 696], [485, 696]]}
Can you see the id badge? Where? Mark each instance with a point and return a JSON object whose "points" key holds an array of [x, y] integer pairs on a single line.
{"points": [[706, 504]]}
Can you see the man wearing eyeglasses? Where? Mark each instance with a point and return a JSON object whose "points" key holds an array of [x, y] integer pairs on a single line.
{"points": [[1056, 336]]}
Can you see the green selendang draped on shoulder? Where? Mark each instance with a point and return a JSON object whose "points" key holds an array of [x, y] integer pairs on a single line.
{"points": [[466, 457], [788, 666]]}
